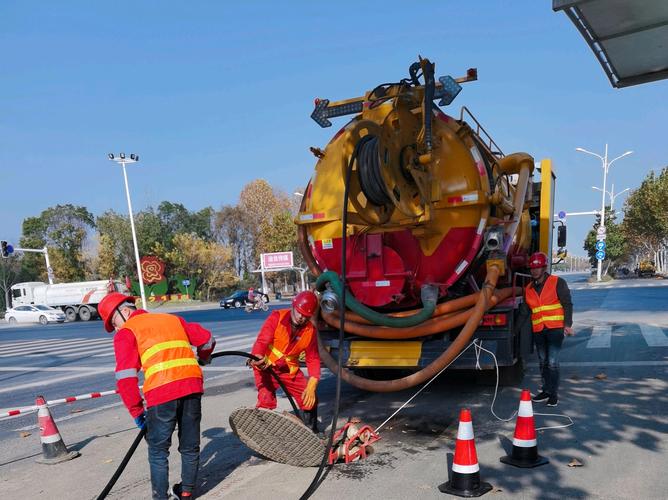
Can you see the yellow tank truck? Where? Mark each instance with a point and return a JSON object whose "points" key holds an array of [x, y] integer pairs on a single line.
{"points": [[421, 225]]}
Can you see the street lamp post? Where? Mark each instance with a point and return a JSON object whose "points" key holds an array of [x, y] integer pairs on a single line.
{"points": [[611, 194], [606, 166], [122, 160]]}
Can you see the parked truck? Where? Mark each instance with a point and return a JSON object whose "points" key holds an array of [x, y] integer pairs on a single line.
{"points": [[77, 300], [426, 225]]}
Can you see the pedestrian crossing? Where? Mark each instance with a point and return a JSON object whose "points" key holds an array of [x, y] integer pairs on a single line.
{"points": [[100, 348]]}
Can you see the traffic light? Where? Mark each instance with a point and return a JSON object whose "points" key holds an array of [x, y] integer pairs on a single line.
{"points": [[6, 249]]}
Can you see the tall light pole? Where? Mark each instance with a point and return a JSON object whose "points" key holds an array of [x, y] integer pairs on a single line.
{"points": [[611, 194], [606, 166], [122, 160]]}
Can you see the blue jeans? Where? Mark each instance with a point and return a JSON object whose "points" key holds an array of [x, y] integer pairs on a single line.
{"points": [[161, 420], [548, 345]]}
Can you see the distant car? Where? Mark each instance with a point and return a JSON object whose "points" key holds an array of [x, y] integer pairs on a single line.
{"points": [[240, 299], [34, 314]]}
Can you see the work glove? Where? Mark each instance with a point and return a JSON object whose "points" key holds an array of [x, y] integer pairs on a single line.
{"points": [[260, 364], [203, 361], [308, 396], [140, 421]]}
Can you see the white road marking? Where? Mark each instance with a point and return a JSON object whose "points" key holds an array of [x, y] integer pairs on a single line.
{"points": [[54, 368], [600, 337], [653, 335], [611, 364], [50, 347], [50, 381]]}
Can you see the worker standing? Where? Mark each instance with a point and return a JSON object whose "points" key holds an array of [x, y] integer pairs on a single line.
{"points": [[284, 337], [160, 345], [549, 299]]}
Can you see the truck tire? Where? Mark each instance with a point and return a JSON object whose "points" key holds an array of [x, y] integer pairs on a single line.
{"points": [[43, 320], [70, 314], [85, 313]]}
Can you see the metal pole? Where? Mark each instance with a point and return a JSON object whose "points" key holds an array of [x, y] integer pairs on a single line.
{"points": [[301, 274], [134, 238], [49, 271], [599, 267]]}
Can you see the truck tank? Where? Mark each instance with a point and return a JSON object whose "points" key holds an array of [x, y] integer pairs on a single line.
{"points": [[432, 204]]}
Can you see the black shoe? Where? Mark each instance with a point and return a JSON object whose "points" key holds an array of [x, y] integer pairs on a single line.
{"points": [[553, 401], [541, 396], [176, 493]]}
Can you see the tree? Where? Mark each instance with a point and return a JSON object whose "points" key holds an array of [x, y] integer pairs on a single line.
{"points": [[615, 242], [233, 231], [645, 223], [10, 270], [258, 204], [207, 261], [175, 219], [63, 229]]}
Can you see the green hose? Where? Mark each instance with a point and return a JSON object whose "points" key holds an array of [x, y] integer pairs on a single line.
{"points": [[429, 296]]}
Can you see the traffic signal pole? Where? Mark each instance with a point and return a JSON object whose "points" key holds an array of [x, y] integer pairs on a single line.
{"points": [[45, 251]]}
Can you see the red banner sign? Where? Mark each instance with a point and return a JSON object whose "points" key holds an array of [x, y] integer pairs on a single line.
{"points": [[276, 260]]}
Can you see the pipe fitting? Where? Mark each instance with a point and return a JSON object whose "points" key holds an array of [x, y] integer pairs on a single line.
{"points": [[329, 301]]}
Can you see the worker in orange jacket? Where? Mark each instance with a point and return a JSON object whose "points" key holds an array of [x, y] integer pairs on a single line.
{"points": [[284, 337], [160, 345], [549, 299]]}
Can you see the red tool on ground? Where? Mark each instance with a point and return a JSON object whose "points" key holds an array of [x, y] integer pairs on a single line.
{"points": [[352, 442]]}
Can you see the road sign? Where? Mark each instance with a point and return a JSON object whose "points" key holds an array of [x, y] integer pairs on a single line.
{"points": [[600, 245], [600, 255], [186, 282], [600, 232], [562, 215]]}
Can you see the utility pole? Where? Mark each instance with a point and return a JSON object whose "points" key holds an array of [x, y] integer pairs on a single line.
{"points": [[601, 230]]}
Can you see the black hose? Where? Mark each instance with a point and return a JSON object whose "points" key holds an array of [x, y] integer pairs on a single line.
{"points": [[319, 476], [122, 465], [142, 433], [243, 354]]}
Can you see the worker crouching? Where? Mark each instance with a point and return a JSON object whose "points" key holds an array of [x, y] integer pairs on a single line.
{"points": [[286, 335]]}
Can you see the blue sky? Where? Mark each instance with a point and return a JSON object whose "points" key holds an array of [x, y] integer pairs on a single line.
{"points": [[213, 95]]}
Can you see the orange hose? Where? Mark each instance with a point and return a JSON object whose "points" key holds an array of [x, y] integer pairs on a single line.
{"points": [[429, 327], [482, 305]]}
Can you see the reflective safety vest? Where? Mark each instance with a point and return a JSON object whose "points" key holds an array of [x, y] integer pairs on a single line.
{"points": [[164, 349], [280, 348], [546, 310]]}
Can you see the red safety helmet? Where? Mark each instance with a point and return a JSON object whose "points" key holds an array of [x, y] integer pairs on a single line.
{"points": [[537, 260], [108, 305], [305, 303]]}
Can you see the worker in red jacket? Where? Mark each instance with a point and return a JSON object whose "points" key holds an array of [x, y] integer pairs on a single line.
{"points": [[284, 337], [160, 345]]}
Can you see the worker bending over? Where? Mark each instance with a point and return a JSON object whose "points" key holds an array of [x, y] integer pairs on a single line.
{"points": [[160, 345]]}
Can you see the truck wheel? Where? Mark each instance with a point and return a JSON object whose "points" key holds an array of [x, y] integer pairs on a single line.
{"points": [[85, 314], [70, 314], [43, 320]]}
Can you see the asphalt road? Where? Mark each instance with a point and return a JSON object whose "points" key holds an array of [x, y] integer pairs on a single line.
{"points": [[613, 388]]}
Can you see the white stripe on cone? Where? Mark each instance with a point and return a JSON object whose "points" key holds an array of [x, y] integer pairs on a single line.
{"points": [[524, 443], [53, 438], [465, 431], [525, 409], [465, 469]]}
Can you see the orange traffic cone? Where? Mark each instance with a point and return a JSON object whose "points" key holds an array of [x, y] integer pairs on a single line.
{"points": [[53, 447], [525, 446], [465, 476]]}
